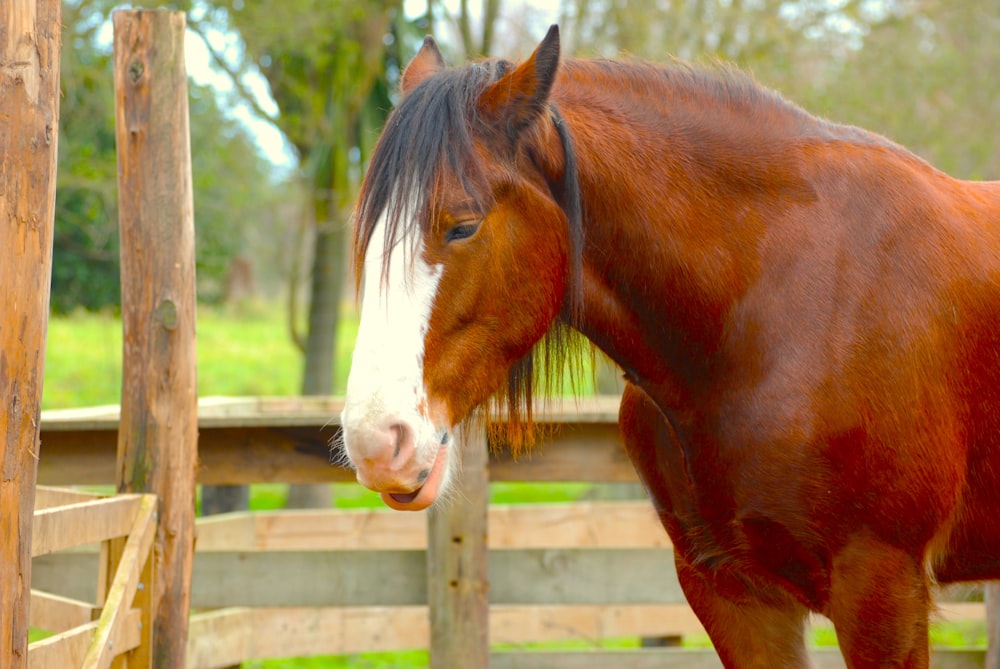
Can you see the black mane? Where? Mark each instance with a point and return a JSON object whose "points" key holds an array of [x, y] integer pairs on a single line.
{"points": [[430, 128]]}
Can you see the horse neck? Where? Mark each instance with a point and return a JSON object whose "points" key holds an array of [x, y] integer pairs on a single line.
{"points": [[670, 229]]}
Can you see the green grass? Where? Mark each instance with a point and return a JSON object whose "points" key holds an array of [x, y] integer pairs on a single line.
{"points": [[243, 351]]}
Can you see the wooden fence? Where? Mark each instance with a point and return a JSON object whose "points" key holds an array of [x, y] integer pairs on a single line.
{"points": [[318, 582], [86, 633]]}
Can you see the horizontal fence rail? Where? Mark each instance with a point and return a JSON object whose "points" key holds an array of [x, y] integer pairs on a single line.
{"points": [[84, 634], [351, 581]]}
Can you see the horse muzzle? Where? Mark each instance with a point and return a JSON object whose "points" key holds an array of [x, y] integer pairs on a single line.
{"points": [[391, 458]]}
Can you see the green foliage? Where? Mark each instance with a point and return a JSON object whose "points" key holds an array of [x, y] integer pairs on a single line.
{"points": [[237, 198], [925, 79], [85, 245]]}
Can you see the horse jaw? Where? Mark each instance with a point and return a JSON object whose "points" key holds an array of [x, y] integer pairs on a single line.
{"points": [[391, 437]]}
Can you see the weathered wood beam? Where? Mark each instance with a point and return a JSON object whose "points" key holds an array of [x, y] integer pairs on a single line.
{"points": [[29, 123], [158, 436]]}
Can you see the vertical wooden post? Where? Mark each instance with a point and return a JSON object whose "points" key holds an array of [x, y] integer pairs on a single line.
{"points": [[457, 564], [992, 597], [29, 122], [157, 439]]}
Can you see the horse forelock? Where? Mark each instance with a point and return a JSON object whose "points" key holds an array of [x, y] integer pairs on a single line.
{"points": [[428, 136]]}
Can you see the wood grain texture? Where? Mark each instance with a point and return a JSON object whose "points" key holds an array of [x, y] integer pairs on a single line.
{"points": [[992, 598], [29, 121], [258, 440], [67, 649], [458, 578], [157, 440]]}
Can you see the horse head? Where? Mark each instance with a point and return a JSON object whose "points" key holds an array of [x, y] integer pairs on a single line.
{"points": [[462, 244]]}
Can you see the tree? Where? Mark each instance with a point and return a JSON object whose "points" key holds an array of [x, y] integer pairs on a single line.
{"points": [[923, 79], [235, 189], [327, 65]]}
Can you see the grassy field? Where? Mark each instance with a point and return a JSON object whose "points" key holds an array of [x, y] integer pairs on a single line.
{"points": [[242, 351]]}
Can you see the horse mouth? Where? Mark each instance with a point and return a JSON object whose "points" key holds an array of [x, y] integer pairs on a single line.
{"points": [[426, 494], [405, 498]]}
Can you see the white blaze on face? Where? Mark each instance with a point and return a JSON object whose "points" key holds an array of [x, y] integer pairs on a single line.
{"points": [[386, 397]]}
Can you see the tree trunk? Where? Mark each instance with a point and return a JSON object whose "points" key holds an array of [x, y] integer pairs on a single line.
{"points": [[29, 107], [327, 289]]}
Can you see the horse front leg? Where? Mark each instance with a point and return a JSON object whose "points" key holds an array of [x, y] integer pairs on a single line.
{"points": [[760, 627], [879, 605]]}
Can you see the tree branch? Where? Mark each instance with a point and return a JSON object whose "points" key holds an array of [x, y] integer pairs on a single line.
{"points": [[249, 98]]}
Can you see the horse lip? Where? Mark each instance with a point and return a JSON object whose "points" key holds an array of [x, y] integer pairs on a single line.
{"points": [[426, 494], [405, 498]]}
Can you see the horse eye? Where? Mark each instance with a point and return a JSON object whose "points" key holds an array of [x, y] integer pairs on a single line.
{"points": [[463, 231]]}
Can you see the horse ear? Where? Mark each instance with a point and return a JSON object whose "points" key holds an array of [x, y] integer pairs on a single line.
{"points": [[518, 98], [427, 62]]}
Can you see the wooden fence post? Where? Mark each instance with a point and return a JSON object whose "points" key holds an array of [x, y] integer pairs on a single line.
{"points": [[29, 123], [457, 563], [157, 438], [991, 595]]}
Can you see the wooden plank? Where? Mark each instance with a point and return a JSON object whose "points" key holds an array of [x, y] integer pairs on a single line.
{"points": [[288, 440], [247, 578], [232, 531], [596, 659], [313, 529], [77, 457], [225, 637], [301, 454], [122, 590], [229, 636], [47, 497], [826, 658], [72, 575], [388, 578], [992, 598], [311, 411], [577, 524], [68, 648], [158, 436], [54, 613], [584, 576], [632, 524], [309, 578], [227, 456], [457, 562], [29, 109], [556, 622], [62, 527]]}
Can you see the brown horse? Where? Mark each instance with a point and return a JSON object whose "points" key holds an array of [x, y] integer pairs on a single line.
{"points": [[807, 315]]}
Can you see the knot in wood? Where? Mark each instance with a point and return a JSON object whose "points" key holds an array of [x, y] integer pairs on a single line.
{"points": [[135, 71], [166, 314]]}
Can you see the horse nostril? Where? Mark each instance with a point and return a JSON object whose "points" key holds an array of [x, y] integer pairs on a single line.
{"points": [[397, 438], [401, 437]]}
